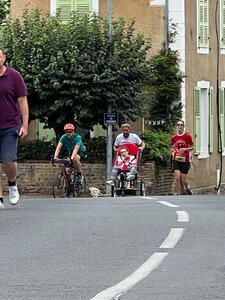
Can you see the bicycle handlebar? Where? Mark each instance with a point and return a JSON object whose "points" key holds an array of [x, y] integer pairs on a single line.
{"points": [[65, 161]]}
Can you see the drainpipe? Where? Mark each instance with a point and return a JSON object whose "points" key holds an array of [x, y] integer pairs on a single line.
{"points": [[219, 166], [218, 179]]}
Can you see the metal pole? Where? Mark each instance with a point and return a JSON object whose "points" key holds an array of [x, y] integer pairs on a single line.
{"points": [[109, 127], [166, 25], [109, 13]]}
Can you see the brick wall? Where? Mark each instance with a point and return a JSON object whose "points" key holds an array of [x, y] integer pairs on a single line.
{"points": [[36, 178]]}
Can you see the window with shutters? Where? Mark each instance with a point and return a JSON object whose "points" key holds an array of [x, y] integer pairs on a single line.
{"points": [[203, 119], [222, 26], [203, 26], [67, 6]]}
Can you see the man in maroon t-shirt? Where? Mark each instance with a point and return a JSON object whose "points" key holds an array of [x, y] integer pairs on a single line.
{"points": [[182, 144], [14, 109]]}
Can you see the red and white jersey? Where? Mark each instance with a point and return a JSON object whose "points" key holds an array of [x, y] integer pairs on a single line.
{"points": [[129, 161], [181, 141]]}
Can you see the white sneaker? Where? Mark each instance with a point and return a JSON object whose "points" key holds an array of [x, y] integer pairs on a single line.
{"points": [[13, 195], [110, 182], [130, 177], [1, 204]]}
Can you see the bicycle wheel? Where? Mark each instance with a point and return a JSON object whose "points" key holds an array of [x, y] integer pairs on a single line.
{"points": [[60, 187], [79, 186], [142, 188], [83, 184], [113, 191]]}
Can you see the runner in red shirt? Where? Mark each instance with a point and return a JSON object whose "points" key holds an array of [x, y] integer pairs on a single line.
{"points": [[182, 144]]}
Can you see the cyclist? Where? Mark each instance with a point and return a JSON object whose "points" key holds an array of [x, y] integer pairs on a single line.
{"points": [[74, 145]]}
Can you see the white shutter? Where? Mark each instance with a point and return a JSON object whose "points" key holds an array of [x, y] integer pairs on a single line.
{"points": [[211, 119], [197, 124], [221, 119]]}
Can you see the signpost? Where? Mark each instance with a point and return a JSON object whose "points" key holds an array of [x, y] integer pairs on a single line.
{"points": [[110, 118], [109, 108]]}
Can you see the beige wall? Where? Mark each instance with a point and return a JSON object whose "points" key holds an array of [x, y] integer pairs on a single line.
{"points": [[18, 6], [201, 67], [149, 19]]}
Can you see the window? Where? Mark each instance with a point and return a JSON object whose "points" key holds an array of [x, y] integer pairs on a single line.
{"points": [[156, 2], [203, 26], [203, 119], [222, 26], [67, 6]]}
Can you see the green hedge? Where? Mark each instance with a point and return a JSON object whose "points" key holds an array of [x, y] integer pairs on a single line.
{"points": [[44, 150], [157, 148]]}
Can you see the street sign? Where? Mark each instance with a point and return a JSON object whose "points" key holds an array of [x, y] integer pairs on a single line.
{"points": [[110, 118]]}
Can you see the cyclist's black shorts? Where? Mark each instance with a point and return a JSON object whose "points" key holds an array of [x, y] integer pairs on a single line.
{"points": [[181, 166], [82, 154]]}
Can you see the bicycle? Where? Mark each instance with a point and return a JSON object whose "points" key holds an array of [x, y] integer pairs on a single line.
{"points": [[67, 183]]}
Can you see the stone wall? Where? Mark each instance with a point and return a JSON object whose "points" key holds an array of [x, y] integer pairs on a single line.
{"points": [[37, 178]]}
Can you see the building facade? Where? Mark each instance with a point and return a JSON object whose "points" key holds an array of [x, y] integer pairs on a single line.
{"points": [[200, 42]]}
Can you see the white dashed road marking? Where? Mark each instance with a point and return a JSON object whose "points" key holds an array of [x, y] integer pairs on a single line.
{"points": [[182, 216], [114, 292], [168, 204], [173, 237], [122, 287]]}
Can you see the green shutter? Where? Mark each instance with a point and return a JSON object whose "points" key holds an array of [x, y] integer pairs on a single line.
{"points": [[222, 24], [221, 118], [197, 124], [211, 119], [67, 6], [203, 41], [84, 6]]}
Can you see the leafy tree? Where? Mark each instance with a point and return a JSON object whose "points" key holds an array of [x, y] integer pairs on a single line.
{"points": [[4, 10], [165, 87], [73, 70]]}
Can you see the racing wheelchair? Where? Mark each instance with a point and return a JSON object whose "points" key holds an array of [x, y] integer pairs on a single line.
{"points": [[123, 187]]}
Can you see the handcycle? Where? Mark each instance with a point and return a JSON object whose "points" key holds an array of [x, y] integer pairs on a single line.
{"points": [[67, 182], [122, 186]]}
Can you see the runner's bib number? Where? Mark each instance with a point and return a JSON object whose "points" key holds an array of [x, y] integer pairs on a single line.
{"points": [[180, 158]]}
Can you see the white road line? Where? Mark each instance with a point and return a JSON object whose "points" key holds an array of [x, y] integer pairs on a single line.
{"points": [[173, 237], [168, 204], [182, 216], [151, 198], [123, 286]]}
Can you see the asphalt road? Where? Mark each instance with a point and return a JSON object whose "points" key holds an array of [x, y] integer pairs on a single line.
{"points": [[158, 248]]}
